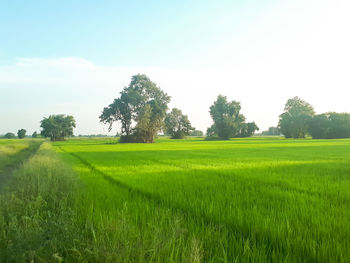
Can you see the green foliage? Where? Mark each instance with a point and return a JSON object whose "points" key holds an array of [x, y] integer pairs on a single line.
{"points": [[9, 135], [21, 133], [177, 124], [228, 122], [143, 103], [330, 125], [294, 121], [196, 133], [57, 127], [119, 110], [12, 153], [272, 131], [36, 216], [35, 135], [242, 200], [247, 129]]}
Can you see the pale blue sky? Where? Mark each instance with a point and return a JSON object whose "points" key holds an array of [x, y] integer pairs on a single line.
{"points": [[73, 57], [125, 33]]}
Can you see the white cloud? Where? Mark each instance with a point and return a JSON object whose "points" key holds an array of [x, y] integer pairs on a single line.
{"points": [[286, 51]]}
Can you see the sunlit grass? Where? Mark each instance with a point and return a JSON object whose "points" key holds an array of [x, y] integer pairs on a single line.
{"points": [[12, 151], [258, 199], [243, 200], [36, 216]]}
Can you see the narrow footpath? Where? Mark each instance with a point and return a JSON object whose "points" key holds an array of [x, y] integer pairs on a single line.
{"points": [[20, 157]]}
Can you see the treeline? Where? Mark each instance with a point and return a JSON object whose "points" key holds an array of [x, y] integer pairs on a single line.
{"points": [[141, 109], [272, 131], [21, 134], [55, 127], [299, 120]]}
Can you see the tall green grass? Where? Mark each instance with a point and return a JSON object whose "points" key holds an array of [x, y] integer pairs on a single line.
{"points": [[12, 154], [36, 215], [9, 150], [244, 200]]}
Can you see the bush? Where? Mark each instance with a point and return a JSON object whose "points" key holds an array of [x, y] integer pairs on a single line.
{"points": [[127, 138], [10, 135]]}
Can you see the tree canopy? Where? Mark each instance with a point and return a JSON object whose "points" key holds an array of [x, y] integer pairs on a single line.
{"points": [[272, 131], [293, 122], [177, 124], [330, 125], [57, 127], [141, 109], [21, 133], [196, 133], [228, 121], [10, 135], [247, 129]]}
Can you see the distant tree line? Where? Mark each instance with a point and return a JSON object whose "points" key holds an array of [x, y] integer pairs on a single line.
{"points": [[55, 127], [141, 110], [272, 131], [20, 134], [299, 120]]}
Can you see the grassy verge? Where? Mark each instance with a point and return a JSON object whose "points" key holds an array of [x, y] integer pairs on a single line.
{"points": [[14, 151], [36, 216], [12, 154]]}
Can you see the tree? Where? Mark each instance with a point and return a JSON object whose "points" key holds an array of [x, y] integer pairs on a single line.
{"points": [[35, 135], [119, 110], [330, 125], [21, 133], [196, 133], [248, 129], [227, 119], [177, 125], [143, 104], [10, 135], [272, 131], [57, 127], [294, 121]]}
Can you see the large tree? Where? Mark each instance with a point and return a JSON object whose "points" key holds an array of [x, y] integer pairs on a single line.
{"points": [[227, 118], [10, 135], [141, 109], [293, 122], [57, 127], [119, 110], [21, 133], [330, 125], [177, 124], [248, 129]]}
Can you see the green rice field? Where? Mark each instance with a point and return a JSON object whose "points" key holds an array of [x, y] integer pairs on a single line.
{"points": [[243, 200]]}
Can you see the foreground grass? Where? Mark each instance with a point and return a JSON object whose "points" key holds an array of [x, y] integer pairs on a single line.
{"points": [[244, 200], [250, 200], [36, 216]]}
